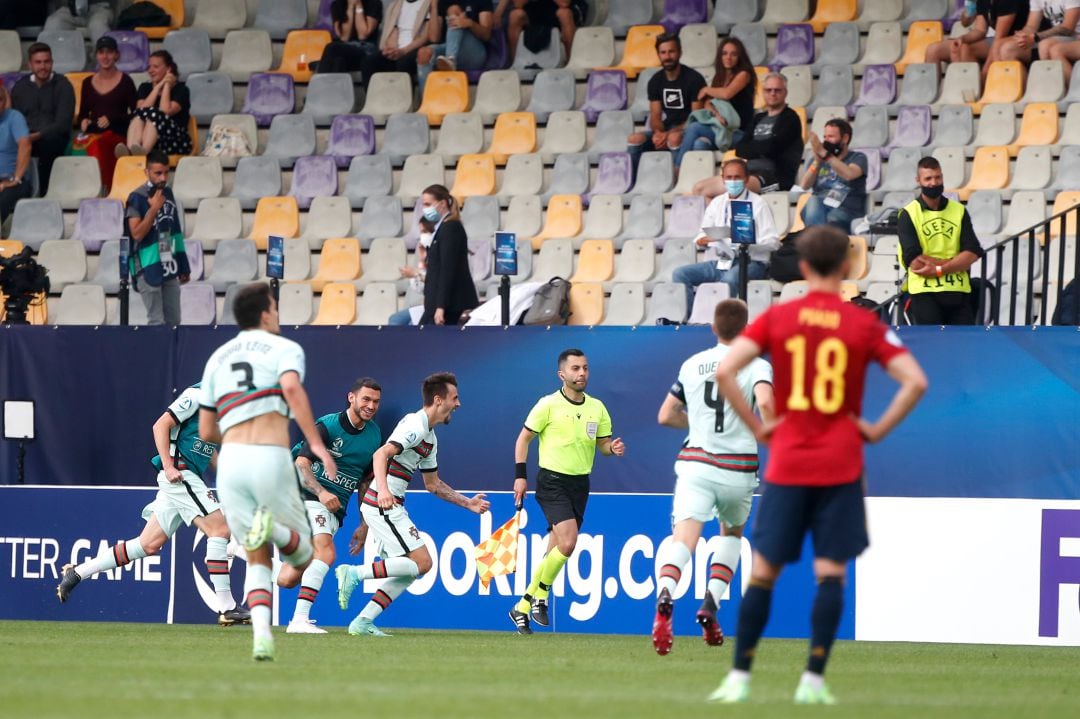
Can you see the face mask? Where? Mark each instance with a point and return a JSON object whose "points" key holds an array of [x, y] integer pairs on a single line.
{"points": [[932, 192], [431, 214], [425, 239], [735, 187], [832, 148]]}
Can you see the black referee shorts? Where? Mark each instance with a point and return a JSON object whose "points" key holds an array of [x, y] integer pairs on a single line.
{"points": [[562, 496]]}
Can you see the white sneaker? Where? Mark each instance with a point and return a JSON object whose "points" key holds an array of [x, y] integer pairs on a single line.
{"points": [[300, 626]]}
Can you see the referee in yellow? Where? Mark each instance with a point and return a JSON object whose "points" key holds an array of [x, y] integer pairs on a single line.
{"points": [[571, 426]]}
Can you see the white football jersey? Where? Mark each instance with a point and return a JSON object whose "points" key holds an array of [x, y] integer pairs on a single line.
{"points": [[419, 451], [714, 426], [242, 378]]}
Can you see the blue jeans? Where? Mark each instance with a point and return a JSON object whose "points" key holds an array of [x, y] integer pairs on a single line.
{"points": [[637, 150], [815, 212], [698, 136], [467, 51], [702, 272], [401, 318]]}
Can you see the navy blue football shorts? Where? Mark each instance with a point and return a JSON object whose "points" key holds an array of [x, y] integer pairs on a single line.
{"points": [[834, 516]]}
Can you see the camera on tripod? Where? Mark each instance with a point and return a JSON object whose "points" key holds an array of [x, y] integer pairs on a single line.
{"points": [[21, 280]]}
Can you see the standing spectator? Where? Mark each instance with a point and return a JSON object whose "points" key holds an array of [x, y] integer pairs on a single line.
{"points": [[991, 24], [14, 155], [355, 24], [108, 99], [837, 177], [159, 261], [95, 15], [1049, 24], [448, 287], [162, 112], [537, 18], [457, 32], [937, 246], [673, 94], [404, 32], [47, 101]]}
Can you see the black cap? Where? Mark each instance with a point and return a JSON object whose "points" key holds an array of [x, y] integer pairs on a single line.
{"points": [[106, 43]]}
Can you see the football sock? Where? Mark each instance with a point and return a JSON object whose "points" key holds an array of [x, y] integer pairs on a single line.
{"points": [[824, 620], [310, 584], [117, 555], [296, 549], [672, 558], [725, 560], [260, 597], [382, 598], [542, 580], [391, 567], [217, 564], [753, 615]]}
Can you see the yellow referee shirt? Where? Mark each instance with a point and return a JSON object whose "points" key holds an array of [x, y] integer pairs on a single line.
{"points": [[568, 431]]}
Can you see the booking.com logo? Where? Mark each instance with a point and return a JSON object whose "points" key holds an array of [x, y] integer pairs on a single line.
{"points": [[1059, 563]]}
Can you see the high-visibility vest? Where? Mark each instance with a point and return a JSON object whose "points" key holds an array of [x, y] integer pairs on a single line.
{"points": [[939, 236]]}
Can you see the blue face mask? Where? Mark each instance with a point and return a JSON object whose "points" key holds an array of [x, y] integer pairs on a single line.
{"points": [[735, 187], [431, 214]]}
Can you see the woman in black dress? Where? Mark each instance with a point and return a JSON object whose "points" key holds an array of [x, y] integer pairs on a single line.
{"points": [[161, 113]]}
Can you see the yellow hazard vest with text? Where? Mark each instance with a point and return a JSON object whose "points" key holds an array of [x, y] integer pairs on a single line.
{"points": [[939, 236]]}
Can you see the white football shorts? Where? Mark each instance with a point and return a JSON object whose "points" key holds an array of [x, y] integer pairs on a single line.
{"points": [[703, 493], [180, 503]]}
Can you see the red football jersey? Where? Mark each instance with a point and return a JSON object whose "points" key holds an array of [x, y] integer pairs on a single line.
{"points": [[820, 347]]}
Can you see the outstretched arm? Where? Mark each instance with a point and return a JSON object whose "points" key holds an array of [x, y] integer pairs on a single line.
{"points": [[478, 503]]}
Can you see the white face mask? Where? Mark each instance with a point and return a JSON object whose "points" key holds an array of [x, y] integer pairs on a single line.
{"points": [[425, 239]]}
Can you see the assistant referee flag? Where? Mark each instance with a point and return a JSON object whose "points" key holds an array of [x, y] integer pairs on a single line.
{"points": [[497, 555]]}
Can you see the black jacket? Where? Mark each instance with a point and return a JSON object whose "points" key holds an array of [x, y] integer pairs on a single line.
{"points": [[449, 284]]}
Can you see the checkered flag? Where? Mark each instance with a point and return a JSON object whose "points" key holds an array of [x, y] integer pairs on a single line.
{"points": [[498, 554]]}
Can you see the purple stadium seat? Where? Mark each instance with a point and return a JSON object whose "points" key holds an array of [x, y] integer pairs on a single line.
{"points": [[683, 12], [878, 85], [269, 94], [134, 50], [873, 166], [351, 135], [614, 175], [606, 91], [99, 220], [198, 303], [323, 21], [498, 56], [10, 78], [313, 176], [912, 126], [195, 258], [794, 45], [684, 220]]}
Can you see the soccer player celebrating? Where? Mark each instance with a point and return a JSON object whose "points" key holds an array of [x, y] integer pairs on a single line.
{"points": [[716, 470], [251, 386], [352, 438], [411, 445], [820, 348], [182, 498], [571, 426]]}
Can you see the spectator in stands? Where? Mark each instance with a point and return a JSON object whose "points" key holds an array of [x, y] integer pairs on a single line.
{"points": [[47, 101], [95, 15], [537, 18], [735, 82], [718, 214], [458, 31], [159, 262], [673, 94], [354, 50], [416, 277], [404, 32], [162, 111], [448, 287], [1065, 48], [837, 178], [991, 24], [1049, 24], [14, 156], [108, 99], [937, 246]]}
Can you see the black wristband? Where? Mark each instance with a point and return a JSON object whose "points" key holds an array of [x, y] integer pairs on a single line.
{"points": [[519, 471]]}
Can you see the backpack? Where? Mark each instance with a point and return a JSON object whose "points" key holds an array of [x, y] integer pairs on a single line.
{"points": [[784, 262], [226, 142], [551, 304], [142, 14], [1066, 311]]}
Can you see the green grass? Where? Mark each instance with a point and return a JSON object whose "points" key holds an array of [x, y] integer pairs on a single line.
{"points": [[113, 670]]}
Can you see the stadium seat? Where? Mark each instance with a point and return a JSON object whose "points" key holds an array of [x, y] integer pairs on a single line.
{"points": [[753, 38], [11, 51], [198, 303], [552, 91], [278, 216], [655, 174], [524, 175], [828, 12], [246, 52], [107, 274], [758, 297], [327, 217], [328, 95], [705, 298], [65, 260], [297, 254], [134, 50], [796, 214], [1063, 201], [174, 9], [884, 43], [303, 47], [190, 48], [279, 17], [523, 217], [256, 178], [596, 261], [98, 221], [961, 84], [606, 90], [880, 11], [592, 47], [623, 16], [82, 304], [313, 176], [953, 165], [563, 220], [858, 252], [444, 92], [245, 124], [475, 175], [639, 106], [835, 86], [920, 86], [984, 208], [130, 173], [674, 254], [639, 51], [779, 12], [613, 176], [839, 46], [218, 17], [420, 172], [211, 94], [955, 126], [920, 35], [377, 304], [235, 261], [794, 45], [338, 262], [612, 130], [871, 127], [514, 133], [645, 219], [1067, 169], [383, 261], [696, 165], [680, 13], [268, 95], [604, 218], [684, 219], [555, 259], [564, 133], [196, 258], [76, 79], [922, 10], [369, 176], [997, 125], [626, 306], [527, 63], [291, 136], [794, 290], [381, 218], [406, 134], [873, 166], [350, 136], [586, 304], [498, 91], [878, 86], [1039, 126], [699, 43], [35, 221], [461, 133], [668, 301], [778, 205], [913, 124], [1004, 84], [337, 306], [481, 217], [636, 262], [389, 93], [1026, 209], [800, 83], [295, 304], [68, 49], [217, 218], [1045, 82], [732, 12]]}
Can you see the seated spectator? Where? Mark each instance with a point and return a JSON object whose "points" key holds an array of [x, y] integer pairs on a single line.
{"points": [[991, 22], [95, 15], [1049, 24], [108, 99], [1064, 47], [837, 178], [735, 82], [354, 50], [14, 156], [47, 101], [162, 111], [457, 33], [673, 94], [718, 214], [404, 32], [415, 275], [537, 18]]}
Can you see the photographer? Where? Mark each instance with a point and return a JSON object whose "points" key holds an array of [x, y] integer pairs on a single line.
{"points": [[159, 263], [15, 146], [838, 178]]}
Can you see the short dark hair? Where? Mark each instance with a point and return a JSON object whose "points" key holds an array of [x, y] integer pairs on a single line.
{"points": [[365, 383], [840, 124], [437, 385], [249, 304], [569, 352], [729, 318], [824, 248], [928, 163], [157, 157], [668, 37], [736, 161], [37, 47]]}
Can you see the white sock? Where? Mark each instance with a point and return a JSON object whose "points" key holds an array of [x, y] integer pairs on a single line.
{"points": [[260, 596], [392, 567], [117, 555], [722, 566], [217, 564], [310, 584], [275, 569], [671, 560], [381, 599], [815, 680]]}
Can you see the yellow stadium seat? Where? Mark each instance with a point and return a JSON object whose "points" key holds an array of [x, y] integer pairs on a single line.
{"points": [[193, 133], [920, 35], [1004, 83], [475, 176], [827, 11], [857, 257], [337, 305], [10, 247], [586, 303], [989, 171], [130, 172], [444, 92], [759, 94], [797, 221], [1038, 127], [1062, 202], [801, 112], [596, 261], [639, 51], [76, 80], [174, 9], [277, 216], [338, 262], [302, 47], [562, 221], [848, 291], [37, 313], [514, 134]]}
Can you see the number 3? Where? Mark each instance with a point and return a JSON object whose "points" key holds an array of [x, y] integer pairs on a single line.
{"points": [[830, 363], [248, 372]]}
